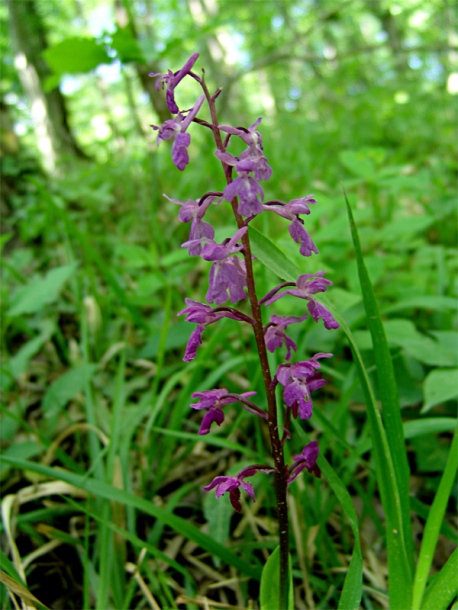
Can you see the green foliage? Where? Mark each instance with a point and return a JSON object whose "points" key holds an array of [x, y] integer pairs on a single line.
{"points": [[94, 391], [270, 585]]}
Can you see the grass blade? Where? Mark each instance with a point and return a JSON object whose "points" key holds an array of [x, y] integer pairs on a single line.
{"points": [[108, 492], [433, 524], [444, 587], [400, 563], [390, 403]]}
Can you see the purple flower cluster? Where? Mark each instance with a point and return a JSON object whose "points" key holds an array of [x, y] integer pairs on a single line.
{"points": [[229, 275]]}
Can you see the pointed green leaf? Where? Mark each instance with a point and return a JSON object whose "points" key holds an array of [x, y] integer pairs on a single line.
{"points": [[400, 565], [270, 583], [440, 385], [40, 291]]}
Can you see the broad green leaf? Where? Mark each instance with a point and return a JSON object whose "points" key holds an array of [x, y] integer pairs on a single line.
{"points": [[126, 46], [19, 362], [272, 257], [218, 513], [358, 163], [440, 385], [402, 333], [270, 583], [24, 450], [66, 387], [76, 55], [40, 291], [435, 303], [405, 228], [418, 427], [104, 490], [136, 256], [429, 425]]}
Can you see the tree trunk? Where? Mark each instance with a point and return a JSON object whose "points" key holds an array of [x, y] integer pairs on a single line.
{"points": [[48, 108], [124, 18]]}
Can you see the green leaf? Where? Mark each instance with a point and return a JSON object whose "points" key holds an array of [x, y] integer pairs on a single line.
{"points": [[76, 55], [66, 387], [19, 362], [440, 385], [358, 163], [272, 257], [399, 533], [218, 513], [40, 292], [402, 333], [429, 425], [103, 490], [432, 529], [136, 256], [350, 598], [435, 303], [444, 588], [270, 583], [126, 46]]}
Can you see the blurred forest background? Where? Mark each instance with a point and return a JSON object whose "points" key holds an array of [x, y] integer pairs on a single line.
{"points": [[360, 93]]}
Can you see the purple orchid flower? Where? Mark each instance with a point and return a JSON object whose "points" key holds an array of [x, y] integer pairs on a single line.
{"points": [[300, 236], [275, 334], [232, 484], [227, 277], [175, 129], [298, 381], [296, 229], [306, 286], [292, 209], [215, 400], [248, 191], [250, 160], [204, 315], [171, 80], [194, 211], [305, 460], [250, 136], [228, 273]]}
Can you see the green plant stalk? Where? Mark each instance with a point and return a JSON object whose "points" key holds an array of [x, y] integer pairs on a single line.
{"points": [[433, 525]]}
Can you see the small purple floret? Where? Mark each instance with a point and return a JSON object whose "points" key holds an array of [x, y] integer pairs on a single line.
{"points": [[305, 460], [171, 80], [275, 334], [307, 285], [214, 401], [232, 484], [203, 315], [300, 236], [175, 129], [298, 381]]}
